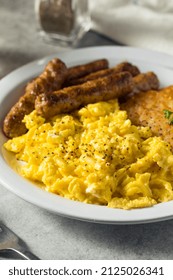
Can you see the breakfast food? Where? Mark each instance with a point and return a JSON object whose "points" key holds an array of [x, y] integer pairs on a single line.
{"points": [[51, 79], [149, 108], [79, 144], [41, 93], [71, 98], [122, 67], [145, 82], [95, 155], [112, 86], [78, 71]]}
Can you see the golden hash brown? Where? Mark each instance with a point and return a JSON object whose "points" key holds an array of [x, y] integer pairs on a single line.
{"points": [[147, 109]]}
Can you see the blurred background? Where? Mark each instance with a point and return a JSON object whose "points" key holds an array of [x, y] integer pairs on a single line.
{"points": [[19, 40], [140, 23]]}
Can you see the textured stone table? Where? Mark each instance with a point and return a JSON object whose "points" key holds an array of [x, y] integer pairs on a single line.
{"points": [[50, 236]]}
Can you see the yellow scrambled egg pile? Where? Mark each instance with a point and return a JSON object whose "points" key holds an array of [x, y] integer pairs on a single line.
{"points": [[95, 155]]}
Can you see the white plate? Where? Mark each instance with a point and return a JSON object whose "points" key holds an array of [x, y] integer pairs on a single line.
{"points": [[10, 88]]}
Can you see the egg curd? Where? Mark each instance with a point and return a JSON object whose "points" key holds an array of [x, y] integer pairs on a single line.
{"points": [[95, 155]]}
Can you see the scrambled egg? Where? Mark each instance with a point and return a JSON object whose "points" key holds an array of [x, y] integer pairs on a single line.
{"points": [[95, 155]]}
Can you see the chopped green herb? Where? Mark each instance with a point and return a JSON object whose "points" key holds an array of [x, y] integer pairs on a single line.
{"points": [[167, 115], [171, 121]]}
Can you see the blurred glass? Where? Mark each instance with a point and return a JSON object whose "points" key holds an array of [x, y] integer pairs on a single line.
{"points": [[63, 21]]}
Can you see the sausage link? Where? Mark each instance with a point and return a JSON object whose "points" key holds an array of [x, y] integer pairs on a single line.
{"points": [[71, 98], [51, 79], [79, 71], [145, 82], [122, 67]]}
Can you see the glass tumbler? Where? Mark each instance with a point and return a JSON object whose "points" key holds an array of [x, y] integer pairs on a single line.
{"points": [[63, 21]]}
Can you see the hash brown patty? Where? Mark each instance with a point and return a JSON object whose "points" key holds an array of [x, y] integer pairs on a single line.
{"points": [[149, 108]]}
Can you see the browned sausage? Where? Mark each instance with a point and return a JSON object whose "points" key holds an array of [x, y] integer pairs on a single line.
{"points": [[113, 86], [79, 71], [142, 82], [71, 98], [51, 79], [145, 82], [125, 66]]}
